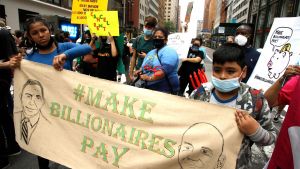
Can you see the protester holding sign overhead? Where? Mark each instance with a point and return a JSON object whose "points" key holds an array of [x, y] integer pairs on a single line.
{"points": [[107, 56], [48, 51], [159, 68]]}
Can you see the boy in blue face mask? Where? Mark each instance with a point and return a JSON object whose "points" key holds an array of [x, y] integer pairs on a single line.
{"points": [[253, 114]]}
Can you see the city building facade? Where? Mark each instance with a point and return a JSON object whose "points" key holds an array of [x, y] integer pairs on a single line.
{"points": [[171, 11], [161, 12], [263, 13], [240, 10], [15, 12], [154, 8]]}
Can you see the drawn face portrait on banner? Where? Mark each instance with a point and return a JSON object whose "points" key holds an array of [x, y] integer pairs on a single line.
{"points": [[201, 147], [32, 98]]}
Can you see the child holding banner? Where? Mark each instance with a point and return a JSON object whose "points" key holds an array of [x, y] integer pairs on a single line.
{"points": [[253, 114], [49, 52]]}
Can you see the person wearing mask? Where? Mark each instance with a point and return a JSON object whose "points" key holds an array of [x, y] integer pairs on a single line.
{"points": [[87, 64], [244, 36], [48, 51], [142, 45], [9, 60], [159, 68], [190, 65], [252, 115], [107, 59]]}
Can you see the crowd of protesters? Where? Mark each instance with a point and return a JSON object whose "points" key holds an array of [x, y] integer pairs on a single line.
{"points": [[151, 64]]}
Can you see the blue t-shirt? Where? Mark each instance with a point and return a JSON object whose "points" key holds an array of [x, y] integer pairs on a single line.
{"points": [[169, 63], [71, 50]]}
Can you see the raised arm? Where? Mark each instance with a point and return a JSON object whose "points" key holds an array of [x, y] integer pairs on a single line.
{"points": [[272, 93]]}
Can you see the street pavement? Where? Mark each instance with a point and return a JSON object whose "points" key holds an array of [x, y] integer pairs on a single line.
{"points": [[260, 155]]}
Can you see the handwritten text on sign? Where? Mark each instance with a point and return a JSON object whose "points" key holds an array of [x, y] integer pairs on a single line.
{"points": [[80, 7], [103, 22]]}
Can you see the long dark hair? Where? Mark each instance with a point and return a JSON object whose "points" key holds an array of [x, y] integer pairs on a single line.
{"points": [[36, 19]]}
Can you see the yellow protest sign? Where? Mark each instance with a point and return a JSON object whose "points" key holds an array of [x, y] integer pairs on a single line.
{"points": [[80, 7], [103, 22]]}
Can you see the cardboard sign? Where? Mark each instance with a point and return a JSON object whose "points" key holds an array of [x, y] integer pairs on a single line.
{"points": [[80, 7], [281, 50], [181, 42], [84, 122], [103, 22]]}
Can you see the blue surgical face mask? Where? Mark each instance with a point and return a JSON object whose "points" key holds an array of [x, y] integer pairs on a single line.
{"points": [[147, 32], [227, 85]]}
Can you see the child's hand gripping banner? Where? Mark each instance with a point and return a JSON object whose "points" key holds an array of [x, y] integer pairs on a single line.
{"points": [[89, 123], [103, 23], [80, 7]]}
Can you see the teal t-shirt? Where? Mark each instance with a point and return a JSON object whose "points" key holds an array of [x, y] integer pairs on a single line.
{"points": [[142, 45]]}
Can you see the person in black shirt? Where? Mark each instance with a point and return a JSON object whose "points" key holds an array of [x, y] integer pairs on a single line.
{"points": [[189, 65], [107, 59], [244, 34], [9, 60]]}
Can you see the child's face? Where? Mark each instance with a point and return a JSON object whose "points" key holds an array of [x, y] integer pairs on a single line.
{"points": [[229, 70]]}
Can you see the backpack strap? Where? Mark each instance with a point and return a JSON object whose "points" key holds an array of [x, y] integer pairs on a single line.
{"points": [[257, 102]]}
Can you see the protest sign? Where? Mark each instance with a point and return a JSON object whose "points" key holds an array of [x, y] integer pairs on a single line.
{"points": [[84, 122], [281, 50], [103, 22], [181, 42], [80, 7]]}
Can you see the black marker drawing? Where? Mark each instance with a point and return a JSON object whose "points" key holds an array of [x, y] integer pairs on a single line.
{"points": [[279, 61], [193, 154], [32, 100]]}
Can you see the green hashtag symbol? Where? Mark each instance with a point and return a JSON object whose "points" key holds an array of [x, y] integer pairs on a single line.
{"points": [[79, 92]]}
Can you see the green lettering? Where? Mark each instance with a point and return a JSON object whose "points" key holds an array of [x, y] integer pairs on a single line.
{"points": [[144, 109], [87, 122], [131, 135], [86, 142], [169, 146], [99, 124], [154, 141], [102, 151], [62, 116], [94, 100], [78, 118], [117, 156], [108, 127], [69, 115], [121, 132], [54, 109], [129, 105], [141, 136], [112, 100]]}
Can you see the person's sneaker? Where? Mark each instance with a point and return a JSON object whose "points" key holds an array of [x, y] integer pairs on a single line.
{"points": [[4, 163]]}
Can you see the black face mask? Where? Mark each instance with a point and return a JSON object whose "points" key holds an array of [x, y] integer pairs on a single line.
{"points": [[195, 48], [48, 46], [158, 43]]}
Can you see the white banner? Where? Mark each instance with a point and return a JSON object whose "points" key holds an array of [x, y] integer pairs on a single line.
{"points": [[181, 42], [281, 49], [89, 123]]}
